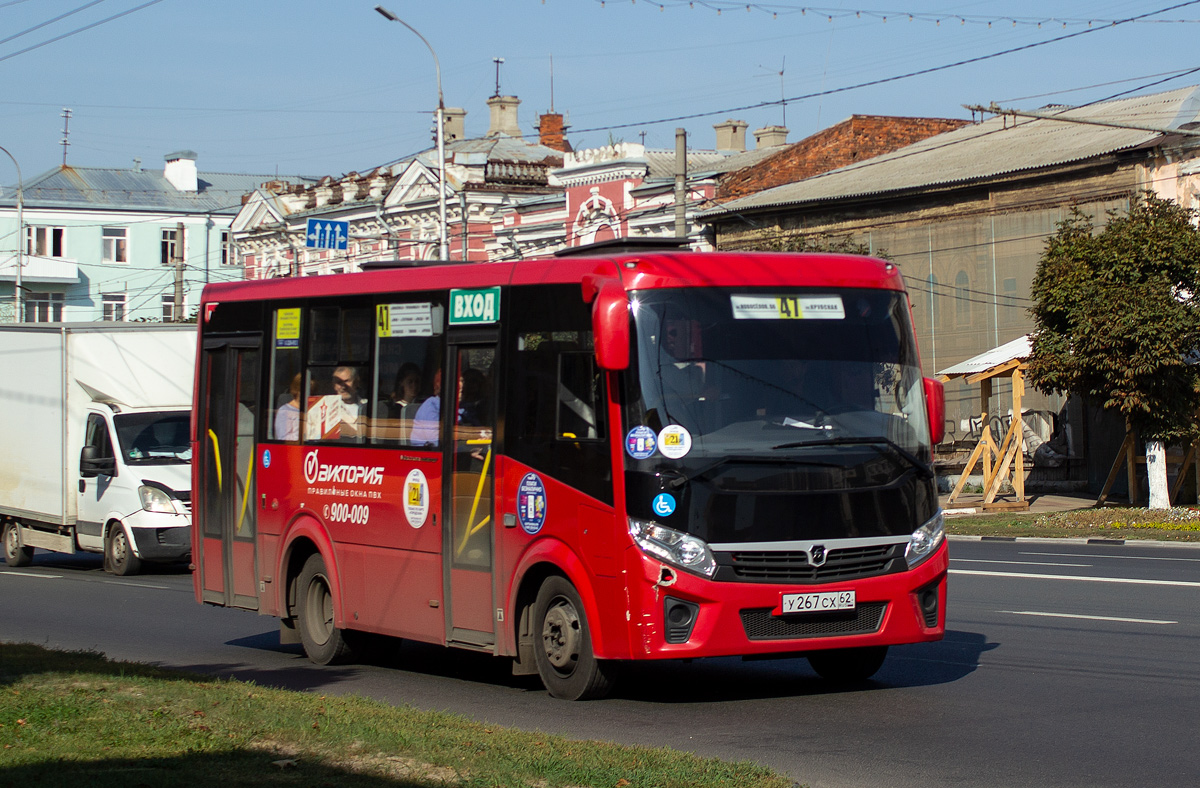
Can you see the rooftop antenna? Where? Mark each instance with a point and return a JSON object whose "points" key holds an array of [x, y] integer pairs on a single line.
{"points": [[497, 61], [66, 116], [782, 94], [551, 83]]}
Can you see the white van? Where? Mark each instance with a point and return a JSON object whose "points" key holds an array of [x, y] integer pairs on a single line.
{"points": [[94, 441]]}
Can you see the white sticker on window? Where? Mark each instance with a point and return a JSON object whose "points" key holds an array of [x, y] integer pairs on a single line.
{"points": [[748, 307]]}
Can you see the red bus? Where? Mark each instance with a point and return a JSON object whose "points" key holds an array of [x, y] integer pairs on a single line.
{"points": [[647, 456]]}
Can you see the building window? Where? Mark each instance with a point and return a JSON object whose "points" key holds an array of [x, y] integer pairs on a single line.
{"points": [[171, 248], [168, 307], [44, 241], [225, 248], [116, 245], [114, 307], [962, 298], [44, 307]]}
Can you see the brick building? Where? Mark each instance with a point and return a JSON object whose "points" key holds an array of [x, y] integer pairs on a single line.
{"points": [[854, 139]]}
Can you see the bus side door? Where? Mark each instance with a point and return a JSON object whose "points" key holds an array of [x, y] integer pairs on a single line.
{"points": [[469, 545], [226, 511]]}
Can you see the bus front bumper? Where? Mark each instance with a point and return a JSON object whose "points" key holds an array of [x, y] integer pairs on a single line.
{"points": [[684, 616]]}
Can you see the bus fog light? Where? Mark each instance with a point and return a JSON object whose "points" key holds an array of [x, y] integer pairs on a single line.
{"points": [[925, 540], [679, 549]]}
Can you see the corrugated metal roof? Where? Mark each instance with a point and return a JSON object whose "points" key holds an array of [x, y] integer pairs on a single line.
{"points": [[127, 189], [661, 163], [989, 149], [1019, 348]]}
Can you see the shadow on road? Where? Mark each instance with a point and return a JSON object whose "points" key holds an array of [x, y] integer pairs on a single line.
{"points": [[672, 681]]}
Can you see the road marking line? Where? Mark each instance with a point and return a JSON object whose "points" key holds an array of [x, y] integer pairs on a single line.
{"points": [[30, 574], [1017, 563], [137, 585], [1034, 576], [1089, 618], [1120, 557]]}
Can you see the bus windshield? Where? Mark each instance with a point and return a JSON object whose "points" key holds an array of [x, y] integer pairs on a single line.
{"points": [[763, 373]]}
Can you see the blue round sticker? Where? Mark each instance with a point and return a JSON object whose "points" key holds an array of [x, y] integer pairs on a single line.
{"points": [[266, 458], [531, 503], [664, 504], [641, 442]]}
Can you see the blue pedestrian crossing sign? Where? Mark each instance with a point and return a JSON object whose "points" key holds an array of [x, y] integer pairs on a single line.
{"points": [[325, 234]]}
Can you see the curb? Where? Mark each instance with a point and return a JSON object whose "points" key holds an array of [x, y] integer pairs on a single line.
{"points": [[1080, 540]]}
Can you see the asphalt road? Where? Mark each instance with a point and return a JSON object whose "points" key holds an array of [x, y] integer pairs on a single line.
{"points": [[1065, 664]]}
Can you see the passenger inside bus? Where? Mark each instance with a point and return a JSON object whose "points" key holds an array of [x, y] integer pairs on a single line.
{"points": [[405, 400], [287, 418], [426, 428], [341, 415]]}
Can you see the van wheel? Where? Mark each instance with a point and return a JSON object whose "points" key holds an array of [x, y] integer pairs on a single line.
{"points": [[324, 643], [848, 665], [118, 553], [15, 553], [563, 644]]}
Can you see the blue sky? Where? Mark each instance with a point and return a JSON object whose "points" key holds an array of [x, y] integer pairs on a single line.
{"points": [[325, 88]]}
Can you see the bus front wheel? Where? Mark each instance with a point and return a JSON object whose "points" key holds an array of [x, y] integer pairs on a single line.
{"points": [[324, 643], [563, 647], [846, 665]]}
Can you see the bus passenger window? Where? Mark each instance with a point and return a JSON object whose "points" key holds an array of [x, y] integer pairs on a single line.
{"points": [[578, 387], [407, 357], [285, 399]]}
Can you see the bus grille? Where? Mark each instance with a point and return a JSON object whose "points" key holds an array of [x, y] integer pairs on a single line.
{"points": [[848, 563], [761, 625]]}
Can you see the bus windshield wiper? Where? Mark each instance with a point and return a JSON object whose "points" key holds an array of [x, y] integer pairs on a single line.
{"points": [[876, 442]]}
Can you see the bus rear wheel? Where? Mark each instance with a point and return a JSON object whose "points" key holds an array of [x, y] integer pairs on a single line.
{"points": [[324, 643], [15, 553], [848, 665], [563, 644]]}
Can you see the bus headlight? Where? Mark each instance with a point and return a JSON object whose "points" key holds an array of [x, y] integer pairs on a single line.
{"points": [[682, 550], [155, 500], [925, 540]]}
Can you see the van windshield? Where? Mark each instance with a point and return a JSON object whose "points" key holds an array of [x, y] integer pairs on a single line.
{"points": [[154, 438]]}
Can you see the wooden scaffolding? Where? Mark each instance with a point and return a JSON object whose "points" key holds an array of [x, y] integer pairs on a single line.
{"points": [[1004, 461]]}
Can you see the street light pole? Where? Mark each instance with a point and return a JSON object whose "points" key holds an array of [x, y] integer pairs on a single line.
{"points": [[443, 243], [17, 287]]}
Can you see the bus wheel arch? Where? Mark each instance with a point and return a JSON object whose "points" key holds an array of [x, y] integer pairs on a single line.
{"points": [[562, 643]]}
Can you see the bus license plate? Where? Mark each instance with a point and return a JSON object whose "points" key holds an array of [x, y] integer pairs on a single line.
{"points": [[820, 602]]}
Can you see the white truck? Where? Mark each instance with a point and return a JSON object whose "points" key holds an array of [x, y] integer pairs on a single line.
{"points": [[94, 441]]}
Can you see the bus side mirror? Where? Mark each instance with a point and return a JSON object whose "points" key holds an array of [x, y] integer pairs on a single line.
{"points": [[935, 406], [610, 325]]}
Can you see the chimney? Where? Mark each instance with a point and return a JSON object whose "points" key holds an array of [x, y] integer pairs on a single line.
{"points": [[180, 170], [551, 130], [504, 116], [770, 136], [455, 126], [731, 135]]}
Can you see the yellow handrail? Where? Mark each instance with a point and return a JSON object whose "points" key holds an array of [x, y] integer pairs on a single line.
{"points": [[472, 529], [245, 492], [217, 457]]}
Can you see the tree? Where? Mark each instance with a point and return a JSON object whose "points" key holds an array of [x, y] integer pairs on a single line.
{"points": [[1116, 317]]}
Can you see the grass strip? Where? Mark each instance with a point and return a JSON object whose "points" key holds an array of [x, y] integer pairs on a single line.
{"points": [[77, 718], [1181, 524]]}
